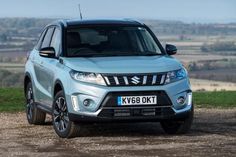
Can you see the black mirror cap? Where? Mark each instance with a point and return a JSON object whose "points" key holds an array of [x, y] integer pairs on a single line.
{"points": [[171, 49], [48, 52]]}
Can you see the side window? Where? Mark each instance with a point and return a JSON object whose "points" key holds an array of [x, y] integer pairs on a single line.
{"points": [[47, 38], [56, 41], [40, 39]]}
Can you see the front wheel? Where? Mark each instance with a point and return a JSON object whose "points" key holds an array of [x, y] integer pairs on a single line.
{"points": [[61, 123], [178, 126]]}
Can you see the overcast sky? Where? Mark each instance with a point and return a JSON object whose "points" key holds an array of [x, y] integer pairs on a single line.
{"points": [[185, 10]]}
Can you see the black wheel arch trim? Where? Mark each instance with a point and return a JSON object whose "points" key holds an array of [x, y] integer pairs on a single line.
{"points": [[27, 75], [54, 86]]}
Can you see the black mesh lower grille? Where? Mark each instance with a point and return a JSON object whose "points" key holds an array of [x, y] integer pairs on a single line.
{"points": [[137, 112]]}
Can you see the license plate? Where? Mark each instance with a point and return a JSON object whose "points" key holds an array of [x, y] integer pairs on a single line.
{"points": [[137, 100]]}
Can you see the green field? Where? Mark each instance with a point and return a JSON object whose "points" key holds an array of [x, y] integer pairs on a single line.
{"points": [[12, 99], [219, 99]]}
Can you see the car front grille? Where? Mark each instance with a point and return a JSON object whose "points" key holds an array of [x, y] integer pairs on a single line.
{"points": [[134, 80]]}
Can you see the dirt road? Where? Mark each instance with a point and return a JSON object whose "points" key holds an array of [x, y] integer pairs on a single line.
{"points": [[213, 134]]}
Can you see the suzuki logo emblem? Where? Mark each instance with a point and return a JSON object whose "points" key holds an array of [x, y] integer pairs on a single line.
{"points": [[135, 80]]}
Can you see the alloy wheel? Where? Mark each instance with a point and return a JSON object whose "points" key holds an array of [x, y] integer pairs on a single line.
{"points": [[60, 114]]}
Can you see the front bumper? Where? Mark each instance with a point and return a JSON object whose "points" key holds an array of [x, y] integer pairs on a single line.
{"points": [[105, 108]]}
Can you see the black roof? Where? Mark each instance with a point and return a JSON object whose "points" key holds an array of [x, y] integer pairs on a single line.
{"points": [[76, 22]]}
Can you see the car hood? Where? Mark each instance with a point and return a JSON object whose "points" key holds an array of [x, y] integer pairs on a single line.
{"points": [[130, 64]]}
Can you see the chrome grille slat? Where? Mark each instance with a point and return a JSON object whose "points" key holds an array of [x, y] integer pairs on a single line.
{"points": [[107, 80], [126, 80], [116, 80], [144, 80], [162, 79], [154, 79]]}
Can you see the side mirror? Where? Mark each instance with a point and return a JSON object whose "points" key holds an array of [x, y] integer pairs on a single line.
{"points": [[171, 49], [48, 52]]}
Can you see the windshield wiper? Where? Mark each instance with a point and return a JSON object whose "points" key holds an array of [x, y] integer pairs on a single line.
{"points": [[152, 54]]}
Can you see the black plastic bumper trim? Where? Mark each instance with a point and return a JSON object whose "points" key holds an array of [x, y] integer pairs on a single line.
{"points": [[96, 119]]}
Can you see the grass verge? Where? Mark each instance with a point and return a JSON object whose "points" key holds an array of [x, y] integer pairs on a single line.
{"points": [[12, 99], [216, 99]]}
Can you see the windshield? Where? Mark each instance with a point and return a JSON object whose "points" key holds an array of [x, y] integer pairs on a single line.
{"points": [[110, 41]]}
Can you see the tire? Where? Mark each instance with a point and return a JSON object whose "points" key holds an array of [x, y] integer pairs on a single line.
{"points": [[178, 126], [33, 114], [62, 125]]}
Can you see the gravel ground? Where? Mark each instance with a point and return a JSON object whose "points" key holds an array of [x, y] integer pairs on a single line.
{"points": [[213, 134]]}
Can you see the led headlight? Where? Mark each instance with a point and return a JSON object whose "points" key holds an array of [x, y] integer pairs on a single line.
{"points": [[176, 75], [87, 77]]}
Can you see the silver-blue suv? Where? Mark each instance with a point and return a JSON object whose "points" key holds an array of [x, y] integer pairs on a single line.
{"points": [[105, 71]]}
